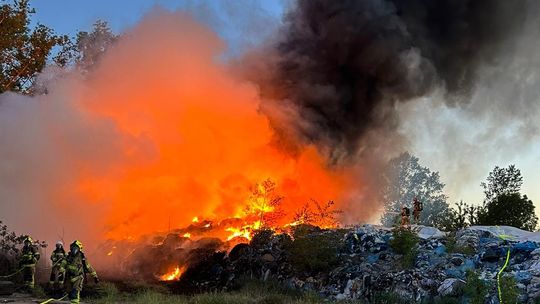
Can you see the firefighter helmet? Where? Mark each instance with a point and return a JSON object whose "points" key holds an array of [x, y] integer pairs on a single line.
{"points": [[78, 244]]}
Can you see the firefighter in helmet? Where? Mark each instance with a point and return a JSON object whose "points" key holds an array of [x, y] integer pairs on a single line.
{"points": [[405, 213], [30, 256], [58, 271], [418, 207], [76, 269]]}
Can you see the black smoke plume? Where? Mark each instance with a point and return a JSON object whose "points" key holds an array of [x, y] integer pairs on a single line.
{"points": [[340, 67]]}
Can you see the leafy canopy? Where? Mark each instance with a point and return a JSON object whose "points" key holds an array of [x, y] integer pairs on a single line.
{"points": [[406, 179], [25, 50]]}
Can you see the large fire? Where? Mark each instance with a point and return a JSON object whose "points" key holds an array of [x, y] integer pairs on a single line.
{"points": [[194, 145]]}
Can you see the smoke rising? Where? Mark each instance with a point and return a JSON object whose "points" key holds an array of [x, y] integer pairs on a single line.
{"points": [[155, 134], [340, 68], [498, 125], [161, 131]]}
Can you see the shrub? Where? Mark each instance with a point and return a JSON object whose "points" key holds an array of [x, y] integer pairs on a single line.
{"points": [[313, 250], [475, 288], [450, 243], [405, 242], [509, 289]]}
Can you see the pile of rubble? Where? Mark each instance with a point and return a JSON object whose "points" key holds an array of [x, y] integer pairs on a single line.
{"points": [[367, 265]]}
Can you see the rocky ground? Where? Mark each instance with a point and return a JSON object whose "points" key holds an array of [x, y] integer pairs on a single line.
{"points": [[367, 265], [359, 263]]}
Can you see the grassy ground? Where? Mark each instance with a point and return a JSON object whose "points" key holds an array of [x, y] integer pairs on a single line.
{"points": [[250, 293]]}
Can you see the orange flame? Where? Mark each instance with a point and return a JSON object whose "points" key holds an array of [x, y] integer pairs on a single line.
{"points": [[189, 137], [173, 275]]}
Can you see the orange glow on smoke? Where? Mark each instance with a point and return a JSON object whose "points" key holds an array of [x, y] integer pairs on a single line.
{"points": [[193, 142]]}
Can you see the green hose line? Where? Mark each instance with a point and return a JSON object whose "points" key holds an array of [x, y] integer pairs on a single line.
{"points": [[10, 275], [52, 299], [499, 275]]}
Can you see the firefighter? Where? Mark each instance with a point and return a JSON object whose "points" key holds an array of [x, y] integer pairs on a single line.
{"points": [[58, 271], [405, 213], [76, 269], [29, 258], [418, 207]]}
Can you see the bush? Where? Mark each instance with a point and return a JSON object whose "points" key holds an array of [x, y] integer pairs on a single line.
{"points": [[509, 289], [313, 250], [475, 288], [405, 242], [449, 242]]}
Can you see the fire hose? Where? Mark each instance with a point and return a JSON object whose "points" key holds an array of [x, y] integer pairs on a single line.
{"points": [[12, 274], [53, 299], [499, 274], [503, 237]]}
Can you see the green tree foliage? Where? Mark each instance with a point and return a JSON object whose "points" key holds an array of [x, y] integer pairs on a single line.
{"points": [[460, 216], [25, 50], [406, 179], [90, 46], [510, 209], [502, 181], [503, 203]]}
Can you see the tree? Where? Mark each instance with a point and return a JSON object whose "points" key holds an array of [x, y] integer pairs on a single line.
{"points": [[406, 179], [510, 209], [265, 204], [90, 46], [317, 214], [456, 218], [502, 181], [24, 51], [461, 216]]}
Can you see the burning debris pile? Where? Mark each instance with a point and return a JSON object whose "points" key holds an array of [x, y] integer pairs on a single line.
{"points": [[352, 263], [172, 255]]}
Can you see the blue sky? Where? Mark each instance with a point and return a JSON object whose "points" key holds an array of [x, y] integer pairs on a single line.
{"points": [[229, 18]]}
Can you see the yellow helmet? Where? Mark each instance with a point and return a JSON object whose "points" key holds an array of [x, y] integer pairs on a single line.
{"points": [[78, 244], [28, 239]]}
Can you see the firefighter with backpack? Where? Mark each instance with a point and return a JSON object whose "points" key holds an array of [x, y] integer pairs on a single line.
{"points": [[405, 213], [76, 269], [418, 207], [30, 256]]}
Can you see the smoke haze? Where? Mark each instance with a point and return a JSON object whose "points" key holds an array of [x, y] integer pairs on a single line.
{"points": [[163, 129]]}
